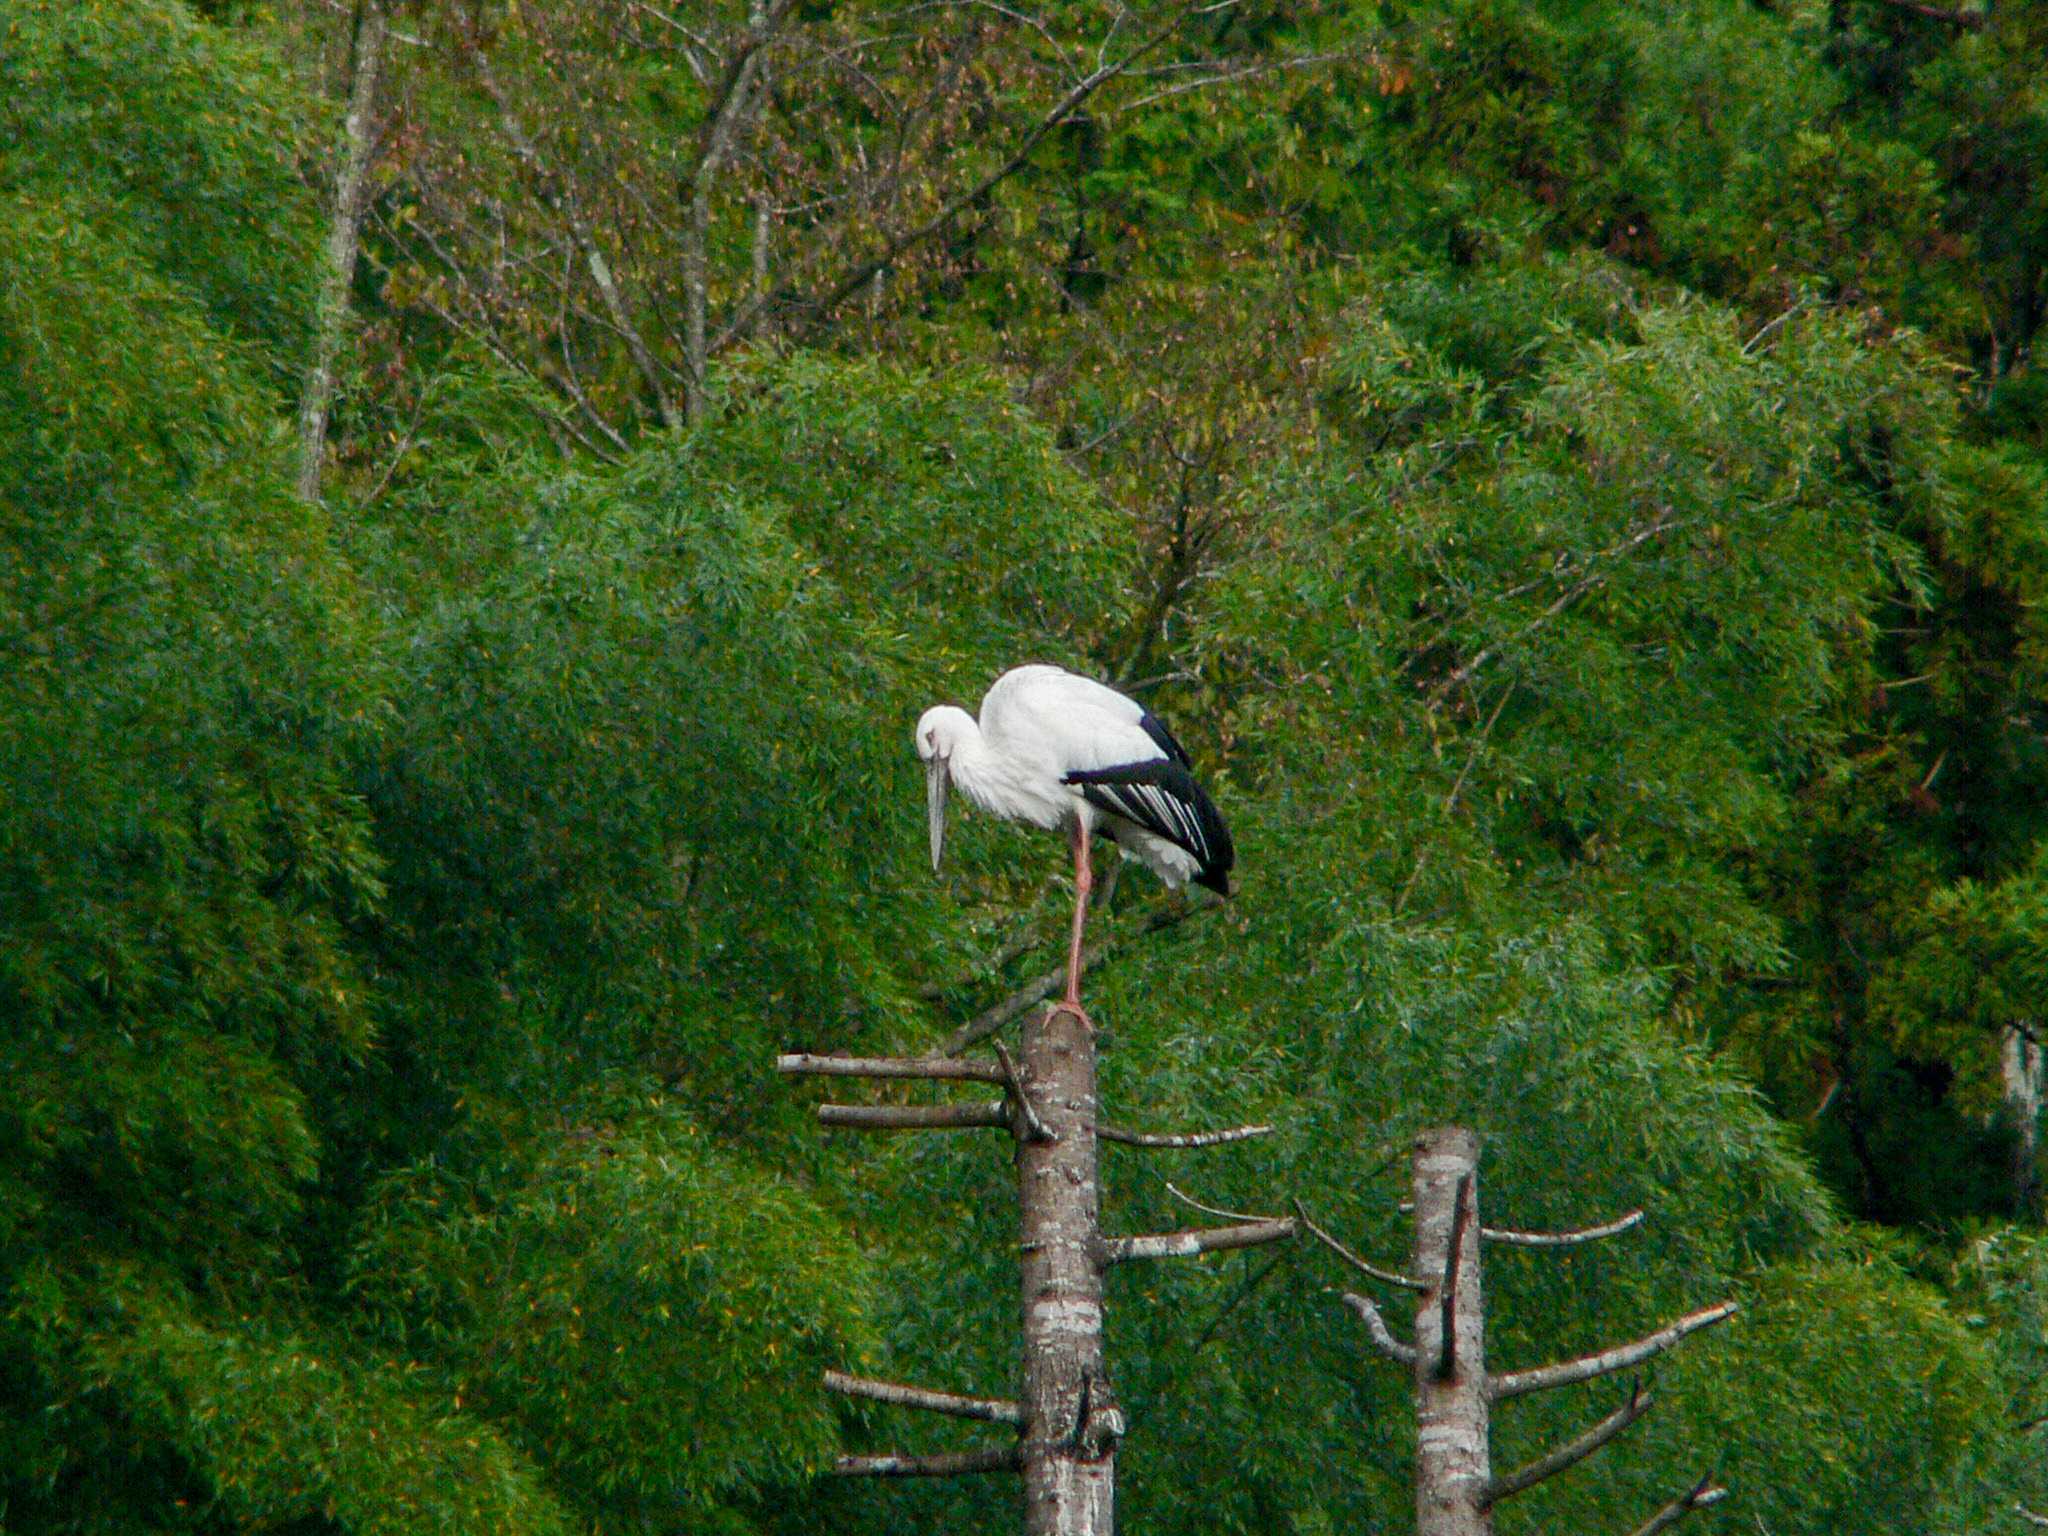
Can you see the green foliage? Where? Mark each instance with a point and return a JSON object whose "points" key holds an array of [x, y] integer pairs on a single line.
{"points": [[638, 1243], [287, 1428], [184, 135], [1575, 473]]}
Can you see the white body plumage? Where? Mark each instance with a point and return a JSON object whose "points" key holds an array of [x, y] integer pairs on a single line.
{"points": [[1052, 749]]}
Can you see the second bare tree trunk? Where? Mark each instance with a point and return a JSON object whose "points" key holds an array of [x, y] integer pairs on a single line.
{"points": [[2021, 1067], [1453, 1471], [317, 401], [1072, 1423]]}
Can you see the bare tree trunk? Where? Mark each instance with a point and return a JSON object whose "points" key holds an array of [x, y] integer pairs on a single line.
{"points": [[1453, 1470], [2022, 1068], [331, 317], [1072, 1423], [1455, 1489], [1068, 1421]]}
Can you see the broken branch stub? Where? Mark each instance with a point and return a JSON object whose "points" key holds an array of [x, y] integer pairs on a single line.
{"points": [[915, 1117], [942, 1067], [1194, 1241]]}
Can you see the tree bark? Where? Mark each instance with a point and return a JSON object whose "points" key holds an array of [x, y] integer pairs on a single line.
{"points": [[343, 231], [2022, 1068], [1453, 1469], [1072, 1420]]}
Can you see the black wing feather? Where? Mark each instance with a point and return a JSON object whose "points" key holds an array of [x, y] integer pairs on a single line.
{"points": [[1164, 798], [1155, 727]]}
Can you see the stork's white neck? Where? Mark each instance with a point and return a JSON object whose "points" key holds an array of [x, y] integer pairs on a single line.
{"points": [[995, 780], [977, 770]]}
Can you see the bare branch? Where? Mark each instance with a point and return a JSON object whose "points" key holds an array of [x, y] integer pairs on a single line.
{"points": [[857, 277], [1019, 1002], [731, 88], [1039, 988], [994, 1410], [1763, 331], [1215, 1210], [1024, 937], [890, 1066], [1035, 1129], [714, 141], [1228, 74], [1186, 1139], [1181, 1245], [1514, 1239], [1376, 1329], [1373, 1271], [1698, 1496], [915, 1117], [1572, 1451], [1608, 1361], [953, 1464], [561, 197], [1592, 577], [2029, 1516]]}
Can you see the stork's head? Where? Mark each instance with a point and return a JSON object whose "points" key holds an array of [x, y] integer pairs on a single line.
{"points": [[940, 731]]}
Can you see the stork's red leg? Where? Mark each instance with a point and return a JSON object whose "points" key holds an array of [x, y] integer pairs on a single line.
{"points": [[1084, 881]]}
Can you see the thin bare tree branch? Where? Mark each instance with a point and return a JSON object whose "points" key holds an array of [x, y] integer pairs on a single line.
{"points": [[1039, 988], [1184, 1139], [858, 276], [1607, 1361], [1035, 1128], [952, 1464], [714, 141], [1572, 1451], [1515, 1239], [1592, 575], [1376, 1330], [1182, 1245], [1192, 1203], [1698, 1496], [1372, 1271], [562, 198], [993, 1410]]}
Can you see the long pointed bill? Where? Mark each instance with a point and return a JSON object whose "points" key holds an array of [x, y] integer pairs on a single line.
{"points": [[935, 785]]}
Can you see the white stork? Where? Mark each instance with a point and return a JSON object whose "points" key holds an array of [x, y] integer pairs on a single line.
{"points": [[1054, 749]]}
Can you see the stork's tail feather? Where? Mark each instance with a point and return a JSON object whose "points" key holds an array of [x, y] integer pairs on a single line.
{"points": [[1162, 797]]}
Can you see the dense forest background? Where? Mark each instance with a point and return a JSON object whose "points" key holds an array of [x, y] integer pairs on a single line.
{"points": [[1574, 473]]}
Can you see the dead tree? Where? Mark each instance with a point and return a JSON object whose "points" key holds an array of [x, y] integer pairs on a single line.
{"points": [[1456, 1487], [1066, 1420]]}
